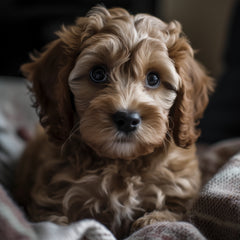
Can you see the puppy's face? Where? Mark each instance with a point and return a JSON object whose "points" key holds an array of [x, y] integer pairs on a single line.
{"points": [[124, 84], [134, 83]]}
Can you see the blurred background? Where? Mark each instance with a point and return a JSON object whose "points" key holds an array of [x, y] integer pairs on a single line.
{"points": [[211, 25], [26, 25]]}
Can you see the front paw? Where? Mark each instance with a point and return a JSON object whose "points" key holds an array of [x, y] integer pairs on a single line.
{"points": [[153, 217]]}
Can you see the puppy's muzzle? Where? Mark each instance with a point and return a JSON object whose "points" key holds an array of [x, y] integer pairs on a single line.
{"points": [[126, 121]]}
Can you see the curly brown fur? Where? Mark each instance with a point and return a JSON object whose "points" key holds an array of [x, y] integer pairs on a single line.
{"points": [[91, 169]]}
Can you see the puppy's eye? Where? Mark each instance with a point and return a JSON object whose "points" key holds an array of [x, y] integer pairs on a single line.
{"points": [[153, 80], [98, 75]]}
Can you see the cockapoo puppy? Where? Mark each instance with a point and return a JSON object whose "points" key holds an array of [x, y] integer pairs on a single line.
{"points": [[119, 97]]}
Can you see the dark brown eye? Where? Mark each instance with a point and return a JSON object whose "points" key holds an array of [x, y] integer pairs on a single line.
{"points": [[98, 75], [153, 80]]}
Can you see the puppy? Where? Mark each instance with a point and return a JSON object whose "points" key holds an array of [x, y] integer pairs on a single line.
{"points": [[120, 98]]}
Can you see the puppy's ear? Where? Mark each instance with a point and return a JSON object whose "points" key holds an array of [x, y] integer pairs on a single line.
{"points": [[194, 91], [48, 73]]}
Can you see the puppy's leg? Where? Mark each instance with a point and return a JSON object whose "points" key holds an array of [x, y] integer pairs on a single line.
{"points": [[155, 216]]}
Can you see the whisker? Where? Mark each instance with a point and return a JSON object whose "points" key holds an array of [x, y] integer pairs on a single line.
{"points": [[73, 131]]}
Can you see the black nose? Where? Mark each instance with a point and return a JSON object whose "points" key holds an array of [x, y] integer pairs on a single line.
{"points": [[126, 121]]}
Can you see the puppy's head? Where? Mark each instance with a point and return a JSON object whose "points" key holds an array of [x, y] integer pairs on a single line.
{"points": [[127, 82]]}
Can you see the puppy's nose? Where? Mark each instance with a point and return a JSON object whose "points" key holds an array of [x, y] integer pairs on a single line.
{"points": [[126, 121]]}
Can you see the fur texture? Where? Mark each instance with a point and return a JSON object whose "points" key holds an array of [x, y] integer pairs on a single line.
{"points": [[84, 167]]}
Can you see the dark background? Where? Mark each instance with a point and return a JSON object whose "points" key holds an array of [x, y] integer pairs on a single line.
{"points": [[29, 24]]}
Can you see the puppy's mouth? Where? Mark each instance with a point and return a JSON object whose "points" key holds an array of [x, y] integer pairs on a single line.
{"points": [[125, 139], [122, 134]]}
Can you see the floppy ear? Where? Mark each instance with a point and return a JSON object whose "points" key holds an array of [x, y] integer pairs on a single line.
{"points": [[194, 91], [48, 74]]}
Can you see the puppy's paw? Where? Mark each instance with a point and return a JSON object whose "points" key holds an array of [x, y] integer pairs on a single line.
{"points": [[153, 217]]}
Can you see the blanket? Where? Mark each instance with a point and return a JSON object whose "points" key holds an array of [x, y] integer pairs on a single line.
{"points": [[215, 214]]}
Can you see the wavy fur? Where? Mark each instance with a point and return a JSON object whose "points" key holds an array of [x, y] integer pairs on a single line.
{"points": [[89, 169]]}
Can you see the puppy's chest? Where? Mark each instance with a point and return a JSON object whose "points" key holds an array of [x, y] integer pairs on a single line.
{"points": [[121, 193]]}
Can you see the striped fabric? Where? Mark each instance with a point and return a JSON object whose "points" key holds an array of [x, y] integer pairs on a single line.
{"points": [[13, 226]]}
